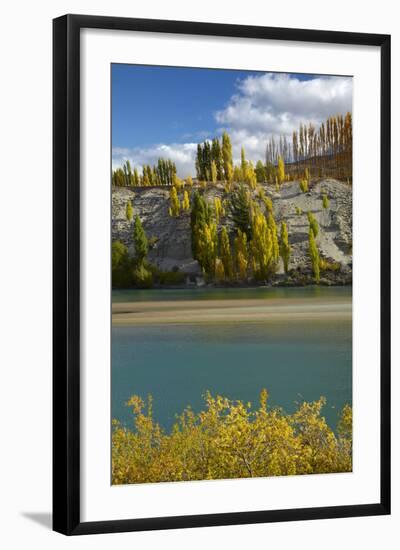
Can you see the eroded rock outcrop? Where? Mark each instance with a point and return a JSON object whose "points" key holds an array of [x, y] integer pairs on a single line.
{"points": [[170, 237]]}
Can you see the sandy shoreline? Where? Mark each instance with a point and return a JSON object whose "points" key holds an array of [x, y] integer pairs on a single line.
{"points": [[222, 311]]}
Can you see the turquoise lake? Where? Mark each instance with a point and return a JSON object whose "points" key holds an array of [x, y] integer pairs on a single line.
{"points": [[295, 361]]}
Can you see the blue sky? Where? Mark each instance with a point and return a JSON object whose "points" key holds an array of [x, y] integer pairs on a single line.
{"points": [[162, 104], [166, 111]]}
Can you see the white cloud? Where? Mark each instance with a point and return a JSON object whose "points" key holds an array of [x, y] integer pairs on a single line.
{"points": [[275, 104], [265, 105], [183, 154]]}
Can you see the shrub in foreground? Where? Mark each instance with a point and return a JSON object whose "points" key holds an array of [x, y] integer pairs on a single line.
{"points": [[230, 439]]}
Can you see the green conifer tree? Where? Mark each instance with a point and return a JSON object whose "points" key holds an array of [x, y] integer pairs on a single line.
{"points": [[240, 207]]}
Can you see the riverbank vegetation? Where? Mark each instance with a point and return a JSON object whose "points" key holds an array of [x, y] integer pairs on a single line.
{"points": [[234, 233], [230, 439], [234, 239]]}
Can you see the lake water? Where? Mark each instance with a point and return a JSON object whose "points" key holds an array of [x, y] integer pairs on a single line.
{"points": [[295, 361]]}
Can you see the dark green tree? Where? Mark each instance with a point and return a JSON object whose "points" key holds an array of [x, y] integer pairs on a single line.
{"points": [[122, 276], [118, 177], [216, 153], [140, 241], [240, 207], [129, 173]]}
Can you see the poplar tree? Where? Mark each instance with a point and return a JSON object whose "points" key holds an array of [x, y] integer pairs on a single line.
{"points": [[198, 163], [261, 246], [129, 173], [314, 255], [268, 204], [281, 171], [243, 162], [216, 154], [185, 201], [219, 270], [260, 172], [208, 247], [237, 174], [250, 175], [228, 171], [118, 177], [136, 179], [213, 171], [207, 160], [200, 215], [129, 211], [313, 223], [175, 206], [218, 209], [225, 253], [145, 179], [140, 241], [274, 238], [303, 185], [227, 156], [241, 255], [285, 248]]}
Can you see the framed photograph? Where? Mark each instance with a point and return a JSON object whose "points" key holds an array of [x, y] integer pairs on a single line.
{"points": [[221, 274]]}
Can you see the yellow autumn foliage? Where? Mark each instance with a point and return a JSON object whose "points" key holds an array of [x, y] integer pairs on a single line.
{"points": [[230, 439]]}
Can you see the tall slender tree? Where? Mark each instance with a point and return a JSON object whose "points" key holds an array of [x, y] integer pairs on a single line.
{"points": [[140, 241], [314, 255], [225, 253], [129, 211], [285, 248], [227, 156]]}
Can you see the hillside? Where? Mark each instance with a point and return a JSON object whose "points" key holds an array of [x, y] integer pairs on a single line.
{"points": [[171, 237]]}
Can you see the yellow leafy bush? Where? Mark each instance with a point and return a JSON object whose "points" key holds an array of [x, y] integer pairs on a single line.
{"points": [[230, 439], [326, 265]]}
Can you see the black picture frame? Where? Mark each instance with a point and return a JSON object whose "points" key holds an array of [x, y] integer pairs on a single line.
{"points": [[66, 273]]}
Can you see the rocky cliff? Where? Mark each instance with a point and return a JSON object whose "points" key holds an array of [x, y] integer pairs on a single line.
{"points": [[171, 246]]}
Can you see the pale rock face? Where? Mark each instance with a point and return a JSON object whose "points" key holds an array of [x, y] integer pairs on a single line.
{"points": [[172, 246]]}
